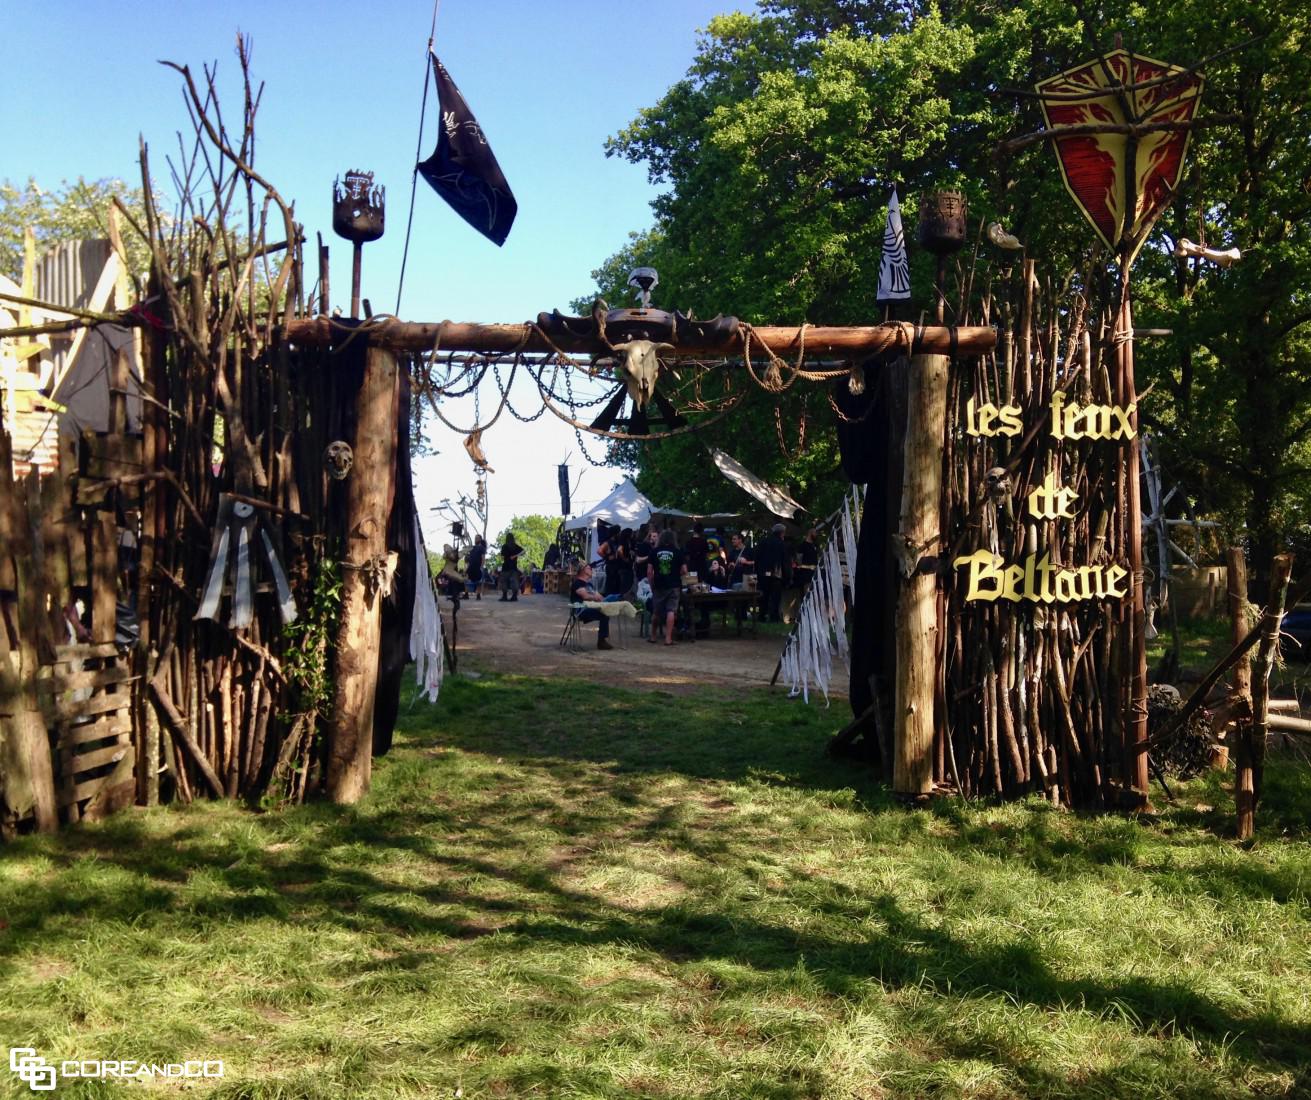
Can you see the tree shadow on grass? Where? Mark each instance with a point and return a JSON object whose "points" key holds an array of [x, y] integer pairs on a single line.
{"points": [[300, 882], [290, 869], [735, 736]]}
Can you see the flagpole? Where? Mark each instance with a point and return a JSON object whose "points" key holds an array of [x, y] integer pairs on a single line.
{"points": [[418, 153]]}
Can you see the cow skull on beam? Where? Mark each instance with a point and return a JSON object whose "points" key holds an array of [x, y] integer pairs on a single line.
{"points": [[638, 364]]}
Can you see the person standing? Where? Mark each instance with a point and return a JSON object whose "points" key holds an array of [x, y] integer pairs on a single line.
{"points": [[741, 559], [619, 564], [473, 565], [771, 559], [665, 572], [510, 551], [581, 591], [696, 551]]}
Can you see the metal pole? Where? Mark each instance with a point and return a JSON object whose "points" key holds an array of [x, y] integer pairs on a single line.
{"points": [[356, 264]]}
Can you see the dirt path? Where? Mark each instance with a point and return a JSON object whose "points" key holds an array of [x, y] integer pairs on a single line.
{"points": [[524, 637]]}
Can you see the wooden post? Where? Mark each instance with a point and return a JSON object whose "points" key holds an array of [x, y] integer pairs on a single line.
{"points": [[1135, 726], [25, 757], [1236, 583], [368, 502], [1253, 735], [918, 542]]}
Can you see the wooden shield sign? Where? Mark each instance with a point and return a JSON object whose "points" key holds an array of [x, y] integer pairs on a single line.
{"points": [[1122, 201]]}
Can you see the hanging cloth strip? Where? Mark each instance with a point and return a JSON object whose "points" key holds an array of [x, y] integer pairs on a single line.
{"points": [[239, 526], [426, 625], [821, 624]]}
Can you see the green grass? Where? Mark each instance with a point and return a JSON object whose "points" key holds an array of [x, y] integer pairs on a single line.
{"points": [[558, 890]]}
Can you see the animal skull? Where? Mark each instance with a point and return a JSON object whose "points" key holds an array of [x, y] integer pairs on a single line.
{"points": [[639, 365], [338, 459]]}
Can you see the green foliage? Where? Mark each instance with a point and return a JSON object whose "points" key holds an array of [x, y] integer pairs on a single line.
{"points": [[777, 151], [306, 663], [534, 533], [75, 211]]}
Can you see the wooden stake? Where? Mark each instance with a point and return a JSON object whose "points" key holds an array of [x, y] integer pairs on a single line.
{"points": [[1252, 738], [917, 609], [1136, 717], [368, 501]]}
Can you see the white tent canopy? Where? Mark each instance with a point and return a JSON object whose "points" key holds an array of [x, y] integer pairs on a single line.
{"points": [[628, 506]]}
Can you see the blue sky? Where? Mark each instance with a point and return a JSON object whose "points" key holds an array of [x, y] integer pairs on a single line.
{"points": [[549, 82]]}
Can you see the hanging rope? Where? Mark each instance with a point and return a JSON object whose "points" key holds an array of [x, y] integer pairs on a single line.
{"points": [[418, 152]]}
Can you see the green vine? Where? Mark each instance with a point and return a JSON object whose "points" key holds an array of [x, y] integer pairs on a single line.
{"points": [[306, 663]]}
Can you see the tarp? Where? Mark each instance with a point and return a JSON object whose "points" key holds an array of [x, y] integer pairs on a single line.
{"points": [[628, 506]]}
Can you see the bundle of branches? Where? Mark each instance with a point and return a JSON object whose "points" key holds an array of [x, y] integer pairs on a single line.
{"points": [[230, 411], [1033, 690]]}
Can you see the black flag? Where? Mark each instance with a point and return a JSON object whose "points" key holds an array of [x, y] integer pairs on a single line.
{"points": [[462, 169], [562, 475]]}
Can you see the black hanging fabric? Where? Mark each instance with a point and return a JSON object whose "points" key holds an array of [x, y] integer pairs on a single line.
{"points": [[562, 475], [463, 169], [869, 443], [398, 606]]}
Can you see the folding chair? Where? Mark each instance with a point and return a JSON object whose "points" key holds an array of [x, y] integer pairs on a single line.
{"points": [[572, 635]]}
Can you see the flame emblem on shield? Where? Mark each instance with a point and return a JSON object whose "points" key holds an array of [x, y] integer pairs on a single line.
{"points": [[1095, 166]]}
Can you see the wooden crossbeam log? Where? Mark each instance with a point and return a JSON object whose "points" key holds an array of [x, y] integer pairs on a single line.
{"points": [[818, 340]]}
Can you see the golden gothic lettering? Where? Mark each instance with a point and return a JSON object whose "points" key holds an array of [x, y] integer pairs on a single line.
{"points": [[990, 578], [980, 422], [1052, 501], [1091, 421], [1068, 421]]}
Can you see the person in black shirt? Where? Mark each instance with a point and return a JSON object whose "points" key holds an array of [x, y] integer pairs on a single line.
{"points": [[808, 559], [581, 591], [473, 565], [665, 572], [510, 552], [696, 551], [741, 559], [771, 561]]}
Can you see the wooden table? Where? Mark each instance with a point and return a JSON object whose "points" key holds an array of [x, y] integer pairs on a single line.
{"points": [[739, 598]]}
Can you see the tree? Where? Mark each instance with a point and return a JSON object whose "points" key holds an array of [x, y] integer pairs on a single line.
{"points": [[73, 212], [777, 150], [534, 533]]}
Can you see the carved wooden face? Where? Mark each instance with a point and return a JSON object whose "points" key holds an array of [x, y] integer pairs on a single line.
{"points": [[338, 459]]}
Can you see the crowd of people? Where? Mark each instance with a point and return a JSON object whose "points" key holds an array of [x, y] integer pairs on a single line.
{"points": [[651, 566]]}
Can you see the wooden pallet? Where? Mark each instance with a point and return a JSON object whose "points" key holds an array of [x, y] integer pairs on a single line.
{"points": [[88, 696]]}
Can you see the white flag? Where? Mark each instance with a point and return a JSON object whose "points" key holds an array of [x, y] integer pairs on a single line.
{"points": [[894, 268]]}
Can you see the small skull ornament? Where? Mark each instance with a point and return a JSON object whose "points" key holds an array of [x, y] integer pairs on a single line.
{"points": [[338, 459], [998, 482]]}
